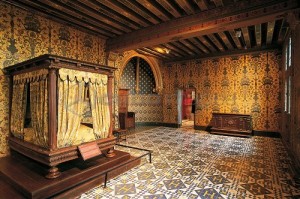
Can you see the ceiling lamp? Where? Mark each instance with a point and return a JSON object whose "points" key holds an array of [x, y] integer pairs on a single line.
{"points": [[162, 50], [238, 33]]}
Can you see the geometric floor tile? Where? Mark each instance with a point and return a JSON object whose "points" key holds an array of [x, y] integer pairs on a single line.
{"points": [[145, 175], [256, 175], [217, 179], [122, 189], [224, 168], [255, 189], [156, 196], [190, 164], [174, 184], [209, 194], [161, 165], [187, 172]]}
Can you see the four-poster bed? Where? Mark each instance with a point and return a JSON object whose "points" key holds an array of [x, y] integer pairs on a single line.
{"points": [[59, 105]]}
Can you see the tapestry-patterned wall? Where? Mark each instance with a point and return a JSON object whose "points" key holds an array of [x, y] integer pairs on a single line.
{"points": [[24, 35], [246, 84]]}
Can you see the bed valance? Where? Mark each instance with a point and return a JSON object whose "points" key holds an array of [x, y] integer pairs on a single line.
{"points": [[32, 76], [82, 76]]}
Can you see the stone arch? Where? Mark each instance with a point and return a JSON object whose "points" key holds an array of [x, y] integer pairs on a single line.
{"points": [[153, 63]]}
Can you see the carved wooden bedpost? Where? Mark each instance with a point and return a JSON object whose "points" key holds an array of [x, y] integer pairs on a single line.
{"points": [[52, 115], [110, 152]]}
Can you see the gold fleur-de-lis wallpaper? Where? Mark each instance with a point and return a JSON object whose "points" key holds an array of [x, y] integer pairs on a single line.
{"points": [[24, 35], [246, 84]]}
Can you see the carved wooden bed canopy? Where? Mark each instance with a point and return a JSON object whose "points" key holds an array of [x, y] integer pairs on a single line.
{"points": [[57, 105]]}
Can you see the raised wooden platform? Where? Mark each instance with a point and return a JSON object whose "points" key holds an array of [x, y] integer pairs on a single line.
{"points": [[21, 177]]}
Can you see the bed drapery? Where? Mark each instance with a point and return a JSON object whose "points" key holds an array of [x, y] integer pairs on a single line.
{"points": [[38, 105], [71, 103]]}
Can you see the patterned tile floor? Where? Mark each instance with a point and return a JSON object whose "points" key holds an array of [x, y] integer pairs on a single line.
{"points": [[194, 164]]}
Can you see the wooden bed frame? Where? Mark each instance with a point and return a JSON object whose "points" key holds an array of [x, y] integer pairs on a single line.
{"points": [[53, 155]]}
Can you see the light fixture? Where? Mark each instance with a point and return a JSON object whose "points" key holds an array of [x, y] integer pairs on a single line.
{"points": [[162, 50], [238, 33]]}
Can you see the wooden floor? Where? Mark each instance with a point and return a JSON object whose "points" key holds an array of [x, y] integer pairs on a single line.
{"points": [[21, 177]]}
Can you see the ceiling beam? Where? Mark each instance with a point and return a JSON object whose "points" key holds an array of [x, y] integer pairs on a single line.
{"points": [[199, 45], [147, 4], [169, 8], [218, 3], [201, 4], [130, 4], [215, 41], [124, 12], [101, 9], [183, 48], [258, 34], [207, 44], [174, 48], [191, 46], [185, 6], [207, 22], [235, 39], [270, 32], [226, 40], [246, 37]]}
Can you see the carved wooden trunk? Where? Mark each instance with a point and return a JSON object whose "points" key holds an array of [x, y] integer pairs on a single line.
{"points": [[231, 124]]}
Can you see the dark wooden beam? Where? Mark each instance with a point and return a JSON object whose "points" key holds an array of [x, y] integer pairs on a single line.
{"points": [[176, 49], [148, 4], [202, 23], [215, 41], [125, 12], [196, 42], [218, 3], [169, 7], [226, 54], [191, 46], [246, 37], [185, 6], [131, 5], [270, 32], [258, 34], [225, 40], [201, 4], [235, 39], [207, 44], [185, 49], [106, 12]]}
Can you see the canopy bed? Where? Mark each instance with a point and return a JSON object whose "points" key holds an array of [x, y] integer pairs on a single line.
{"points": [[57, 106]]}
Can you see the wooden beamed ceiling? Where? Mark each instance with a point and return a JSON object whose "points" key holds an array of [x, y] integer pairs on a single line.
{"points": [[174, 29]]}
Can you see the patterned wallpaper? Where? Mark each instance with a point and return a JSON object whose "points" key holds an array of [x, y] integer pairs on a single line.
{"points": [[146, 78], [145, 104], [147, 108], [24, 35], [128, 78], [247, 84]]}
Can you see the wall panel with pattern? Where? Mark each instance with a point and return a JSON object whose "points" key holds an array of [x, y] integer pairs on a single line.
{"points": [[24, 35], [145, 104], [246, 84]]}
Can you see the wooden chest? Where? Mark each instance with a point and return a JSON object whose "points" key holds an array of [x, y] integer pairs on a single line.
{"points": [[231, 124]]}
